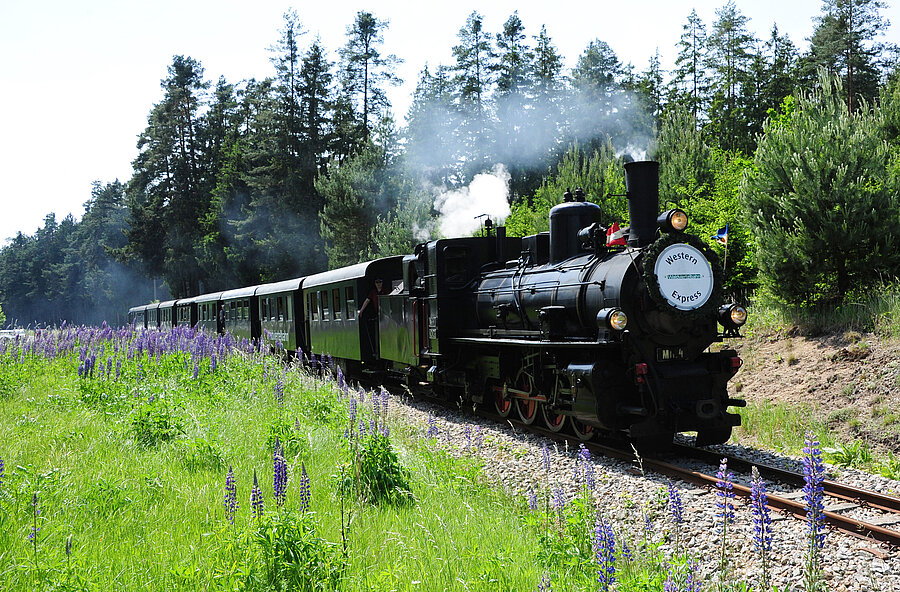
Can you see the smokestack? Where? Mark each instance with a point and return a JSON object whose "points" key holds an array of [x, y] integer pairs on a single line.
{"points": [[642, 187]]}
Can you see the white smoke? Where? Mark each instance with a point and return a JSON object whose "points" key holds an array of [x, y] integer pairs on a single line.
{"points": [[488, 193]]}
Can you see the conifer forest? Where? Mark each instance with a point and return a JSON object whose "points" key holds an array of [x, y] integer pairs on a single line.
{"points": [[308, 167]]}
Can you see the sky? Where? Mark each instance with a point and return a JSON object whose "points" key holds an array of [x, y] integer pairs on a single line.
{"points": [[80, 78]]}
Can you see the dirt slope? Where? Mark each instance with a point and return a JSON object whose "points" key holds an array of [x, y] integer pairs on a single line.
{"points": [[851, 380]]}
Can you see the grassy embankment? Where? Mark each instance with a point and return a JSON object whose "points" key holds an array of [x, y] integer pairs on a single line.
{"points": [[114, 479]]}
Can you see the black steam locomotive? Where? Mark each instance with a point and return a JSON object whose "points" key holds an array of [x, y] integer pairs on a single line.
{"points": [[557, 327]]}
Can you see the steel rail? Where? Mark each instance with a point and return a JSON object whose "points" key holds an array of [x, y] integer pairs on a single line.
{"points": [[864, 497]]}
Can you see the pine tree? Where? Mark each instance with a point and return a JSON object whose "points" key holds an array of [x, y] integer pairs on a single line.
{"points": [[365, 70], [821, 201], [729, 58], [843, 43], [690, 81]]}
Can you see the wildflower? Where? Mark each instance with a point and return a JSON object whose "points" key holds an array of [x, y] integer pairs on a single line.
{"points": [[814, 477], [296, 424], [626, 551], [675, 505], [35, 512], [1, 471], [385, 400], [725, 505], [605, 554], [677, 510], [584, 468], [545, 586], [559, 500], [545, 453], [762, 523], [479, 438], [69, 546], [279, 480], [468, 433], [231, 502], [432, 430], [304, 489], [279, 391], [532, 499], [256, 501]]}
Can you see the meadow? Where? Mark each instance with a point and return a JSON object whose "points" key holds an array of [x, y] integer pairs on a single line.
{"points": [[177, 460]]}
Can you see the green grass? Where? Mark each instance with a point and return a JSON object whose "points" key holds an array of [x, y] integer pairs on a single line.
{"points": [[133, 471]]}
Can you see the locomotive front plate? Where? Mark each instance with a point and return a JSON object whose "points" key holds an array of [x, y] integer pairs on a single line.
{"points": [[685, 276]]}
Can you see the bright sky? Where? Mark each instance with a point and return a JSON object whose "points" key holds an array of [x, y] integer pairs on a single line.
{"points": [[80, 78]]}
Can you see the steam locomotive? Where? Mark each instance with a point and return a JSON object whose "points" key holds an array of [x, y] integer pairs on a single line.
{"points": [[557, 327]]}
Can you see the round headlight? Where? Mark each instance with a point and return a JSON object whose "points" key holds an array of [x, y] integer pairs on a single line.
{"points": [[738, 315], [617, 320], [678, 220]]}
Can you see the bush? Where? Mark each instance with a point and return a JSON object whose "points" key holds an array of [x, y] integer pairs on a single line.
{"points": [[821, 201], [377, 474]]}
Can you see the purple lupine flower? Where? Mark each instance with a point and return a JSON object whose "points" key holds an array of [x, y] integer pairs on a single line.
{"points": [[296, 424], [432, 430], [626, 551], [762, 522], [559, 499], [118, 369], [304, 489], [279, 391], [675, 506], [532, 499], [545, 586], [213, 362], [468, 433], [196, 370], [814, 478], [479, 438], [279, 479], [69, 546], [231, 501], [340, 380], [256, 500], [352, 409], [1, 471], [545, 453], [604, 542], [725, 494], [35, 512], [692, 580], [584, 468], [725, 507]]}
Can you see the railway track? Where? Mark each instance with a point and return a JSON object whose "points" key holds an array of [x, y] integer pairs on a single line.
{"points": [[840, 498]]}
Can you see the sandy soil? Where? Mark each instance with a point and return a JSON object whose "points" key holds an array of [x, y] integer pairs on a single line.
{"points": [[850, 380]]}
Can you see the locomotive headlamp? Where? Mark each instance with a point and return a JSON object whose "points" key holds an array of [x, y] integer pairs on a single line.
{"points": [[612, 318], [672, 220], [732, 316]]}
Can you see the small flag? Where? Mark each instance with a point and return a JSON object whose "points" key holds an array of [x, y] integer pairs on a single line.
{"points": [[722, 235], [615, 235]]}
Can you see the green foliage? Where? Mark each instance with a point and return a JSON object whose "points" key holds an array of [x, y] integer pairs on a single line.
{"points": [[155, 422], [2, 317], [376, 473], [353, 193], [601, 176], [821, 203], [856, 455], [685, 161], [201, 454]]}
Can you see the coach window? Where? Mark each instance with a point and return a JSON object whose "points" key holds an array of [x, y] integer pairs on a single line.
{"points": [[313, 306], [280, 306], [289, 308], [351, 302], [323, 297], [336, 300]]}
